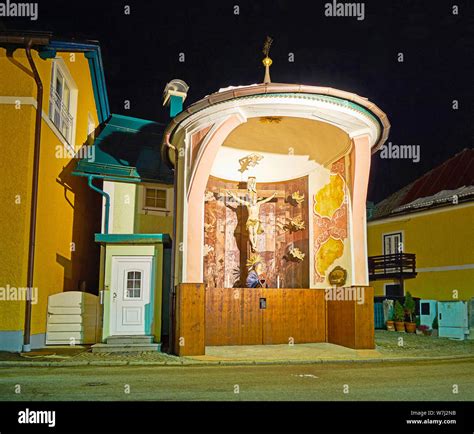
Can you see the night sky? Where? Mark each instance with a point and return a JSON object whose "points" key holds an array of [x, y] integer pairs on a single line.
{"points": [[140, 53]]}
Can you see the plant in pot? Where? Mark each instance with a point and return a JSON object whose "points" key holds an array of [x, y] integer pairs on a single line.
{"points": [[390, 323], [424, 330], [399, 317], [409, 307]]}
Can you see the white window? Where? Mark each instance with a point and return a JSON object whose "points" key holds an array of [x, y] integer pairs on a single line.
{"points": [[133, 284], [392, 243], [62, 100], [155, 199]]}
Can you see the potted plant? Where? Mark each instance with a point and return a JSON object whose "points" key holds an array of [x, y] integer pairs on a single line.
{"points": [[390, 323], [409, 307], [424, 330], [434, 327], [399, 317]]}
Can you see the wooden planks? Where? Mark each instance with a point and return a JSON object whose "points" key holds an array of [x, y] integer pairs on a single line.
{"points": [[234, 316], [189, 320], [294, 316], [352, 324], [231, 317], [364, 325], [340, 323]]}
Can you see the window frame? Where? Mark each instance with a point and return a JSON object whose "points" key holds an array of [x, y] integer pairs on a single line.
{"points": [[393, 284], [389, 234], [58, 65], [126, 288], [149, 209]]}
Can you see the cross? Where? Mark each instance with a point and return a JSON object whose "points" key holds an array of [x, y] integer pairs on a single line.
{"points": [[253, 203], [243, 192]]}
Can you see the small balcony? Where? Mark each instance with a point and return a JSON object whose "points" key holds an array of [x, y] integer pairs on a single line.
{"points": [[393, 266]]}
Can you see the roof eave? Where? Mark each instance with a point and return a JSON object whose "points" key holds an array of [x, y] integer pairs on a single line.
{"points": [[269, 88]]}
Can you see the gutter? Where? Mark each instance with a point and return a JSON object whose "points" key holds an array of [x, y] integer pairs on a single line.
{"points": [[172, 291], [107, 201], [34, 199], [93, 55]]}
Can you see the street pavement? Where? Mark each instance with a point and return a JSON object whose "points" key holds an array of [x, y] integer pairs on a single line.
{"points": [[450, 380]]}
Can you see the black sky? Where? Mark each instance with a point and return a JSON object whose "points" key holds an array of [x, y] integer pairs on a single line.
{"points": [[140, 53]]}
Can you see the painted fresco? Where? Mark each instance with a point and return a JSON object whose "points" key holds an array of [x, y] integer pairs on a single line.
{"points": [[330, 225], [285, 227]]}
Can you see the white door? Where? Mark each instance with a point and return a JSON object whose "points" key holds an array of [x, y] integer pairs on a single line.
{"points": [[130, 293]]}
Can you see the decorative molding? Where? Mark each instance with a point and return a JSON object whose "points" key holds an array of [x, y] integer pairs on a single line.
{"points": [[350, 117], [446, 268], [250, 160], [297, 197], [296, 254]]}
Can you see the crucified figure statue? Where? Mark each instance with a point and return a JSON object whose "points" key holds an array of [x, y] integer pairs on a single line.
{"points": [[253, 225]]}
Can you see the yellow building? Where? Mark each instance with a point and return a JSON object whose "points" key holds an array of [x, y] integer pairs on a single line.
{"points": [[421, 238], [74, 103]]}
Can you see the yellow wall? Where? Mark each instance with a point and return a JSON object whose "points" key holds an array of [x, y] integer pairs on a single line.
{"points": [[68, 212], [126, 216], [439, 238]]}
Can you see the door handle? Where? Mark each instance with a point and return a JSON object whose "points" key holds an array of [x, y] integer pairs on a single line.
{"points": [[114, 295]]}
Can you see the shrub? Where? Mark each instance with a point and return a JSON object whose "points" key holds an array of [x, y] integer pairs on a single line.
{"points": [[399, 313], [409, 306]]}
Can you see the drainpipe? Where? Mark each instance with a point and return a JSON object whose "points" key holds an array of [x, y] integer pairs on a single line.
{"points": [[34, 199], [172, 292], [107, 202], [104, 194]]}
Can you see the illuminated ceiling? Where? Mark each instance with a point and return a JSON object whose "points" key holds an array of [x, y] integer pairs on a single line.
{"points": [[290, 147]]}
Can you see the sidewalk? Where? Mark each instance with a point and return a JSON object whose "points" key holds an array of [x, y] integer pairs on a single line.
{"points": [[388, 349]]}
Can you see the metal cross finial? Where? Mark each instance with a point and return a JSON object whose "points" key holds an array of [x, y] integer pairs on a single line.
{"points": [[267, 62], [267, 45]]}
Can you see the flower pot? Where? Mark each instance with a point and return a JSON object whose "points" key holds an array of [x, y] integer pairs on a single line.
{"points": [[390, 326], [410, 327], [399, 326]]}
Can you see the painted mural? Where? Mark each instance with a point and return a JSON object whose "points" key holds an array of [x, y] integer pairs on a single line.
{"points": [[330, 224], [285, 235]]}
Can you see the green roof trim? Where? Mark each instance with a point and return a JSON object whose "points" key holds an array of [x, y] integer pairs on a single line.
{"points": [[127, 149], [133, 239], [91, 50]]}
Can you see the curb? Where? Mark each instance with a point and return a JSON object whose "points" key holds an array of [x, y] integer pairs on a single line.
{"points": [[201, 363]]}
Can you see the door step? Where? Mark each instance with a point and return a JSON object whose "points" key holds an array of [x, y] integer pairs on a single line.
{"points": [[126, 344], [130, 339], [125, 348]]}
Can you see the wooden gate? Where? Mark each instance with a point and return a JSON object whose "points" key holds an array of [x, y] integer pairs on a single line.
{"points": [[254, 316]]}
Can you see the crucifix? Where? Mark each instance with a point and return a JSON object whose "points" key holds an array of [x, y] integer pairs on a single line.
{"points": [[253, 203]]}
